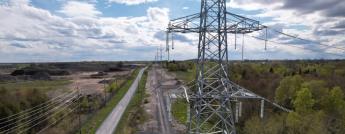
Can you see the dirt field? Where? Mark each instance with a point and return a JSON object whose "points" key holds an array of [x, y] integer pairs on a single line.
{"points": [[90, 85]]}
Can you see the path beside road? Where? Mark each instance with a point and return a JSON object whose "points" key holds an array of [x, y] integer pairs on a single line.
{"points": [[109, 124]]}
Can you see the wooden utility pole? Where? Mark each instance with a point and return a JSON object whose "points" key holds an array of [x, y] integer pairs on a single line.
{"points": [[79, 107]]}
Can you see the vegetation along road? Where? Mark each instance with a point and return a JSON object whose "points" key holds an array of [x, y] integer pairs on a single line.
{"points": [[110, 123]]}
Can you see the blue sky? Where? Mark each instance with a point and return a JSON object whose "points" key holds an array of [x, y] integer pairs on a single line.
{"points": [[89, 30]]}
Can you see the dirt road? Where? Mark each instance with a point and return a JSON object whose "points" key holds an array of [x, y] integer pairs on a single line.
{"points": [[109, 124], [164, 123], [157, 107]]}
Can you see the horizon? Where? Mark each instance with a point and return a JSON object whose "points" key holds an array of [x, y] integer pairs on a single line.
{"points": [[245, 60]]}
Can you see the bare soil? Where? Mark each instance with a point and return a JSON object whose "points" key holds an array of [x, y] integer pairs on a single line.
{"points": [[91, 85], [165, 82]]}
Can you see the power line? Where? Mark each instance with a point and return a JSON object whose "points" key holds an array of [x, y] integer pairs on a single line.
{"points": [[34, 119], [57, 121], [33, 111], [278, 43], [47, 118], [307, 40], [62, 106], [17, 114]]}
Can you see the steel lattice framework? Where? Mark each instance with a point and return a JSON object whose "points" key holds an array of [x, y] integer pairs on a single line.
{"points": [[212, 95]]}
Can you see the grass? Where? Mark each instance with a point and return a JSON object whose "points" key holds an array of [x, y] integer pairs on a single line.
{"points": [[42, 86], [186, 76], [114, 86], [179, 110], [135, 113], [96, 120]]}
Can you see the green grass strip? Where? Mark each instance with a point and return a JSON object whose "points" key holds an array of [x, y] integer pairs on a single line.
{"points": [[179, 111], [96, 120], [135, 113]]}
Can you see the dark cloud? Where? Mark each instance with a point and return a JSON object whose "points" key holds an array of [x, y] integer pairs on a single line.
{"points": [[328, 32], [20, 45], [181, 38], [330, 8], [297, 42], [257, 1], [340, 25], [162, 36]]}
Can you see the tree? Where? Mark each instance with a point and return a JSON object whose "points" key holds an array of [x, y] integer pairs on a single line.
{"points": [[334, 105], [304, 101], [253, 126], [304, 120], [333, 102], [274, 124], [317, 87], [287, 89]]}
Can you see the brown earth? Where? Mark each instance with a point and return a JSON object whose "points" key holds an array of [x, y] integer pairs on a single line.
{"points": [[158, 85], [91, 85]]}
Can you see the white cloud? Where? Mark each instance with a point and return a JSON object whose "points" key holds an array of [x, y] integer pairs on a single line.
{"points": [[32, 34], [131, 2], [313, 22], [159, 17], [79, 9]]}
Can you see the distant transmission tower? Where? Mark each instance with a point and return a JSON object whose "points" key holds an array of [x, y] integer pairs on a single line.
{"points": [[213, 95]]}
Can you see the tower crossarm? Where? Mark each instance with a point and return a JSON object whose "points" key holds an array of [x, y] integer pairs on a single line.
{"points": [[241, 25], [236, 24], [187, 24]]}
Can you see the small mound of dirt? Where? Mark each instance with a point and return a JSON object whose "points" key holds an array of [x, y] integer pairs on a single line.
{"points": [[104, 82], [41, 76], [115, 69], [99, 75], [35, 70]]}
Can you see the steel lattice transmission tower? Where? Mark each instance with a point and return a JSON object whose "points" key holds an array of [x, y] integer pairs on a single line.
{"points": [[212, 95]]}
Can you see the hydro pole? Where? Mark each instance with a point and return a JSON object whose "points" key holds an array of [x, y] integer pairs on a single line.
{"points": [[212, 94]]}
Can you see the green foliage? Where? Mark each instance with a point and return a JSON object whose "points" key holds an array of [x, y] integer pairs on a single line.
{"points": [[180, 66], [304, 101], [340, 72], [186, 74], [84, 104], [325, 70], [280, 69], [318, 88], [272, 125], [16, 101], [311, 123], [299, 121], [287, 89], [306, 120], [42, 86], [179, 110], [334, 106], [333, 101]]}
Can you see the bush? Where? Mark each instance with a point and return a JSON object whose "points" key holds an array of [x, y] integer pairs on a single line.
{"points": [[180, 66]]}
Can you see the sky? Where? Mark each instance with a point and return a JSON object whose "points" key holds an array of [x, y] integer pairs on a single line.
{"points": [[132, 30]]}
